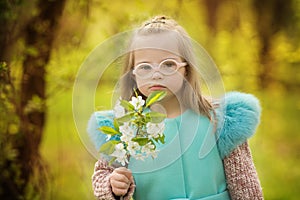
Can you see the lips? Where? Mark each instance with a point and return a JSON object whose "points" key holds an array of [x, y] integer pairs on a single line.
{"points": [[157, 87]]}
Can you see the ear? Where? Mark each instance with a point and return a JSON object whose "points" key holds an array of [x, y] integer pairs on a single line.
{"points": [[186, 73], [133, 76]]}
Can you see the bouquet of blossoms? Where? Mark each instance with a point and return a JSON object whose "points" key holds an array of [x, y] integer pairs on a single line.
{"points": [[136, 131]]}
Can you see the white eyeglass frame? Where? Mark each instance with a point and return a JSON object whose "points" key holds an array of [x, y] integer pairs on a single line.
{"points": [[178, 66]]}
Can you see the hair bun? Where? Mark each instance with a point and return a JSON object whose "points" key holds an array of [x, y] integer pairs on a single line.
{"points": [[157, 19], [161, 17]]}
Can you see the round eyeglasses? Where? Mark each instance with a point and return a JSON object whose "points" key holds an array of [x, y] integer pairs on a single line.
{"points": [[166, 67]]}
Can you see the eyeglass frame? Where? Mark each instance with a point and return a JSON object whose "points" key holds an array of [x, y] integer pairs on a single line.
{"points": [[178, 66]]}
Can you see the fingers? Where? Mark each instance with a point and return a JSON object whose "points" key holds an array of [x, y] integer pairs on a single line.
{"points": [[120, 180], [124, 171]]}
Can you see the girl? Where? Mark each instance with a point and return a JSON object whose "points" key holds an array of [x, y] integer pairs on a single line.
{"points": [[205, 155]]}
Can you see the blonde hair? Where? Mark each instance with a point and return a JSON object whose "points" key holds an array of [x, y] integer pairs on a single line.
{"points": [[191, 95]]}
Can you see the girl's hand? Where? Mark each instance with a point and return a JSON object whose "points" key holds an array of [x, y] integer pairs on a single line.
{"points": [[120, 180]]}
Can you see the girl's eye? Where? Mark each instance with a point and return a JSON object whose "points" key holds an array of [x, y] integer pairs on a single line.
{"points": [[145, 67], [169, 64]]}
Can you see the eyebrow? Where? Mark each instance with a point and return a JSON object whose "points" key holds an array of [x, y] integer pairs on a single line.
{"points": [[146, 61]]}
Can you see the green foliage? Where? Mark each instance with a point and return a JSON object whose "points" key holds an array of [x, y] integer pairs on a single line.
{"points": [[108, 130], [128, 106], [9, 129], [3, 67], [108, 147], [155, 117], [154, 97], [125, 118], [141, 140]]}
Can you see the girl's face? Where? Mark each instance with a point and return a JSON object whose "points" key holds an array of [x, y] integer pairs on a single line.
{"points": [[157, 80], [159, 47]]}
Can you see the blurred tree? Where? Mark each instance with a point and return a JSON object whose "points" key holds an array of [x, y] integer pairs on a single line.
{"points": [[272, 16], [211, 7], [23, 110]]}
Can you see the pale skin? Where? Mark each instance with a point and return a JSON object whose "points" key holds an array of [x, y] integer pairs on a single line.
{"points": [[121, 178], [171, 83]]}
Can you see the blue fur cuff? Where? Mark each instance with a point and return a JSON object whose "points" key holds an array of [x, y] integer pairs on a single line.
{"points": [[98, 119], [238, 116]]}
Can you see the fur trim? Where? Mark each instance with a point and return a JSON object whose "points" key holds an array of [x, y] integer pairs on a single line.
{"points": [[98, 119], [238, 117]]}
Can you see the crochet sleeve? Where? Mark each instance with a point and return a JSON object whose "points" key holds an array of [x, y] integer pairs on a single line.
{"points": [[101, 183], [242, 179], [238, 116]]}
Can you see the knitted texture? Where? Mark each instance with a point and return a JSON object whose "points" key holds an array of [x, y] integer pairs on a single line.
{"points": [[101, 183], [241, 175]]}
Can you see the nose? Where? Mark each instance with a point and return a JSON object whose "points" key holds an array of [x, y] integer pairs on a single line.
{"points": [[157, 75]]}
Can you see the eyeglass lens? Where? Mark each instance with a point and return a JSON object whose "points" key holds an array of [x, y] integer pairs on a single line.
{"points": [[166, 67]]}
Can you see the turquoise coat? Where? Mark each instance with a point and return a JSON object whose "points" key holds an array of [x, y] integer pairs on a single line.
{"points": [[189, 165]]}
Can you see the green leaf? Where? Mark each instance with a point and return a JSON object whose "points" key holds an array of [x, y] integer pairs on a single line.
{"points": [[162, 139], [125, 118], [109, 147], [154, 97], [108, 130], [128, 106], [155, 117], [116, 124], [141, 140]]}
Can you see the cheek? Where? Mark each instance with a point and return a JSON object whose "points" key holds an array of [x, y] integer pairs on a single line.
{"points": [[142, 86], [175, 83]]}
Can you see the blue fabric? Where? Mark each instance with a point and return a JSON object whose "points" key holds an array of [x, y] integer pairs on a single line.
{"points": [[220, 196], [178, 172]]}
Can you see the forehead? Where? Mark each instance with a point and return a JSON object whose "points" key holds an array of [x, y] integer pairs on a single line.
{"points": [[163, 43], [153, 55]]}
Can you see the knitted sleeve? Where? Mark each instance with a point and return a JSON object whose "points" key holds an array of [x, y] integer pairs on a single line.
{"points": [[101, 183], [241, 175]]}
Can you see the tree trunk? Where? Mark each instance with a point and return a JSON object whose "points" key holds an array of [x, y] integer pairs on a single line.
{"points": [[211, 8], [24, 171], [40, 34], [271, 17]]}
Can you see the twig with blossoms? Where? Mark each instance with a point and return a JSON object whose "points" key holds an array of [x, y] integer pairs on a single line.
{"points": [[136, 131]]}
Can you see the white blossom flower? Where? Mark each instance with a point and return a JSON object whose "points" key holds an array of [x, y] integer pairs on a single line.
{"points": [[120, 154], [153, 153], [139, 156], [147, 148], [137, 102], [127, 132], [133, 148], [134, 128], [155, 130], [119, 110]]}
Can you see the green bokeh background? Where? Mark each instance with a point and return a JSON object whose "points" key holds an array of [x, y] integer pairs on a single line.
{"points": [[234, 45]]}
